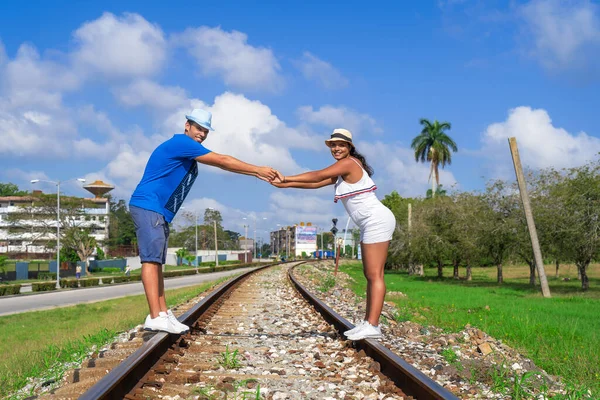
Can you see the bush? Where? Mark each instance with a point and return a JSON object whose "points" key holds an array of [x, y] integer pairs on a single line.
{"points": [[133, 278], [171, 274], [43, 286], [89, 282], [121, 279], [7, 290], [47, 276], [189, 272], [68, 283]]}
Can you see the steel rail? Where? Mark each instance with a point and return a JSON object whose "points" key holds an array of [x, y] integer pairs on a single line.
{"points": [[122, 379], [409, 379]]}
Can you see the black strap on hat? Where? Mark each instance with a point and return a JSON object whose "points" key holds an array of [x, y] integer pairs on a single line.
{"points": [[341, 136]]}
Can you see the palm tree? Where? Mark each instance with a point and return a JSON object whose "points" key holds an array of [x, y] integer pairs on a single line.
{"points": [[434, 145]]}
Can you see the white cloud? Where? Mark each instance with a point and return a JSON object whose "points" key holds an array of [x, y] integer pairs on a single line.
{"points": [[127, 169], [127, 46], [339, 117], [315, 69], [33, 133], [563, 34], [248, 130], [228, 55], [146, 92], [30, 80], [541, 144]]}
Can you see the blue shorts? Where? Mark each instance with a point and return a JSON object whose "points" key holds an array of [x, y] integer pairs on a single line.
{"points": [[152, 233]]}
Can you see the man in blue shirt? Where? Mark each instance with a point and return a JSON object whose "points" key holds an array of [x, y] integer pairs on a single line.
{"points": [[168, 178]]}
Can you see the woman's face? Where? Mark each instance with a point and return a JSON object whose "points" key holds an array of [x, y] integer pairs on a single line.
{"points": [[339, 149]]}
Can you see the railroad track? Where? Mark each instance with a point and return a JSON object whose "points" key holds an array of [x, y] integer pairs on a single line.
{"points": [[254, 337]]}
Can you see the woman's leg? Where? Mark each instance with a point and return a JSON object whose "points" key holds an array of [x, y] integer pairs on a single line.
{"points": [[374, 256]]}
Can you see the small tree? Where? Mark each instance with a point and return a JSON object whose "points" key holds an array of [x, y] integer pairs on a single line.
{"points": [[181, 254], [580, 195], [190, 258], [468, 227], [498, 233], [429, 233], [82, 242]]}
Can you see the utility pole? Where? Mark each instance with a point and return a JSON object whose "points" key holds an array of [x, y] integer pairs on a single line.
{"points": [[196, 253], [246, 240], [254, 240], [537, 253], [216, 244]]}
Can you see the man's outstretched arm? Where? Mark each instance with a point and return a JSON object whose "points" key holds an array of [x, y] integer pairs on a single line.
{"points": [[232, 164]]}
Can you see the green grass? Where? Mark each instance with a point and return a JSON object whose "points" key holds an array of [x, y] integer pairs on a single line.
{"points": [[561, 334], [31, 343]]}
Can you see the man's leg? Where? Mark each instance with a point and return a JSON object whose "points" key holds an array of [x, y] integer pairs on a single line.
{"points": [[153, 286], [162, 302]]}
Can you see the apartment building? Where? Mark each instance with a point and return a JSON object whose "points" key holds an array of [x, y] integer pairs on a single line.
{"points": [[26, 229]]}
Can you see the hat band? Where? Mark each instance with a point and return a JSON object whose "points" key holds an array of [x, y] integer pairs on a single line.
{"points": [[339, 135]]}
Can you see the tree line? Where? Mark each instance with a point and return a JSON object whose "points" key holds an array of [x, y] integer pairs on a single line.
{"points": [[488, 228]]}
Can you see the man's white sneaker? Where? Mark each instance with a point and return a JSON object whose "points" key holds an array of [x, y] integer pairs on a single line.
{"points": [[160, 323], [367, 331], [176, 322], [356, 328]]}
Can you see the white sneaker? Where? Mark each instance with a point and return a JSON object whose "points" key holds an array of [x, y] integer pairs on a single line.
{"points": [[160, 323], [356, 328], [367, 331], [176, 322]]}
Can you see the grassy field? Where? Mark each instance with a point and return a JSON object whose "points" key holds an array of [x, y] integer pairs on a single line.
{"points": [[31, 343], [561, 334]]}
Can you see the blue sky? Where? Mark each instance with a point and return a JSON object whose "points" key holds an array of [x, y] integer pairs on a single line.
{"points": [[89, 89]]}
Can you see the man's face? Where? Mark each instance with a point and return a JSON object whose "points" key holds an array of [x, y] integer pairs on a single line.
{"points": [[196, 132]]}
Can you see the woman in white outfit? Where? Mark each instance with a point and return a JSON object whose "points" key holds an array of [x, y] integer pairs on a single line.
{"points": [[351, 176]]}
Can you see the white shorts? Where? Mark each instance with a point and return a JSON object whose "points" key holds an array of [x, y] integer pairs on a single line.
{"points": [[377, 224]]}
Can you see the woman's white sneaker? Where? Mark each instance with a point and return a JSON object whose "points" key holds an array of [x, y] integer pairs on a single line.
{"points": [[175, 321], [160, 323], [356, 328], [367, 331]]}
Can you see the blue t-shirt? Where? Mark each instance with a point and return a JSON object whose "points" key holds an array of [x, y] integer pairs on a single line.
{"points": [[169, 176]]}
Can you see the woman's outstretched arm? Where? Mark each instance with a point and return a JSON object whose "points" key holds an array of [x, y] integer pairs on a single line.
{"points": [[341, 167], [304, 185]]}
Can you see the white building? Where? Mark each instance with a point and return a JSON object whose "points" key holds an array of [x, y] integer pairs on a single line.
{"points": [[246, 244], [35, 235]]}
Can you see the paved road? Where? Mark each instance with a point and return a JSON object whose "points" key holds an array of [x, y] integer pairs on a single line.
{"points": [[42, 301]]}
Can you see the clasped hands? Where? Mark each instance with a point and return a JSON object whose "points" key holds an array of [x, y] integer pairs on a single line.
{"points": [[271, 175]]}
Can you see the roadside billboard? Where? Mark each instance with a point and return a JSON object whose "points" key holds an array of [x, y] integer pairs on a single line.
{"points": [[306, 235]]}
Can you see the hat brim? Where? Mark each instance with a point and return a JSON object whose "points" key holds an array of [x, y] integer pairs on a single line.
{"points": [[328, 141], [203, 124]]}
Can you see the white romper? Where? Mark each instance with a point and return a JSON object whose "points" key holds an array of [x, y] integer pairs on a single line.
{"points": [[376, 221]]}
